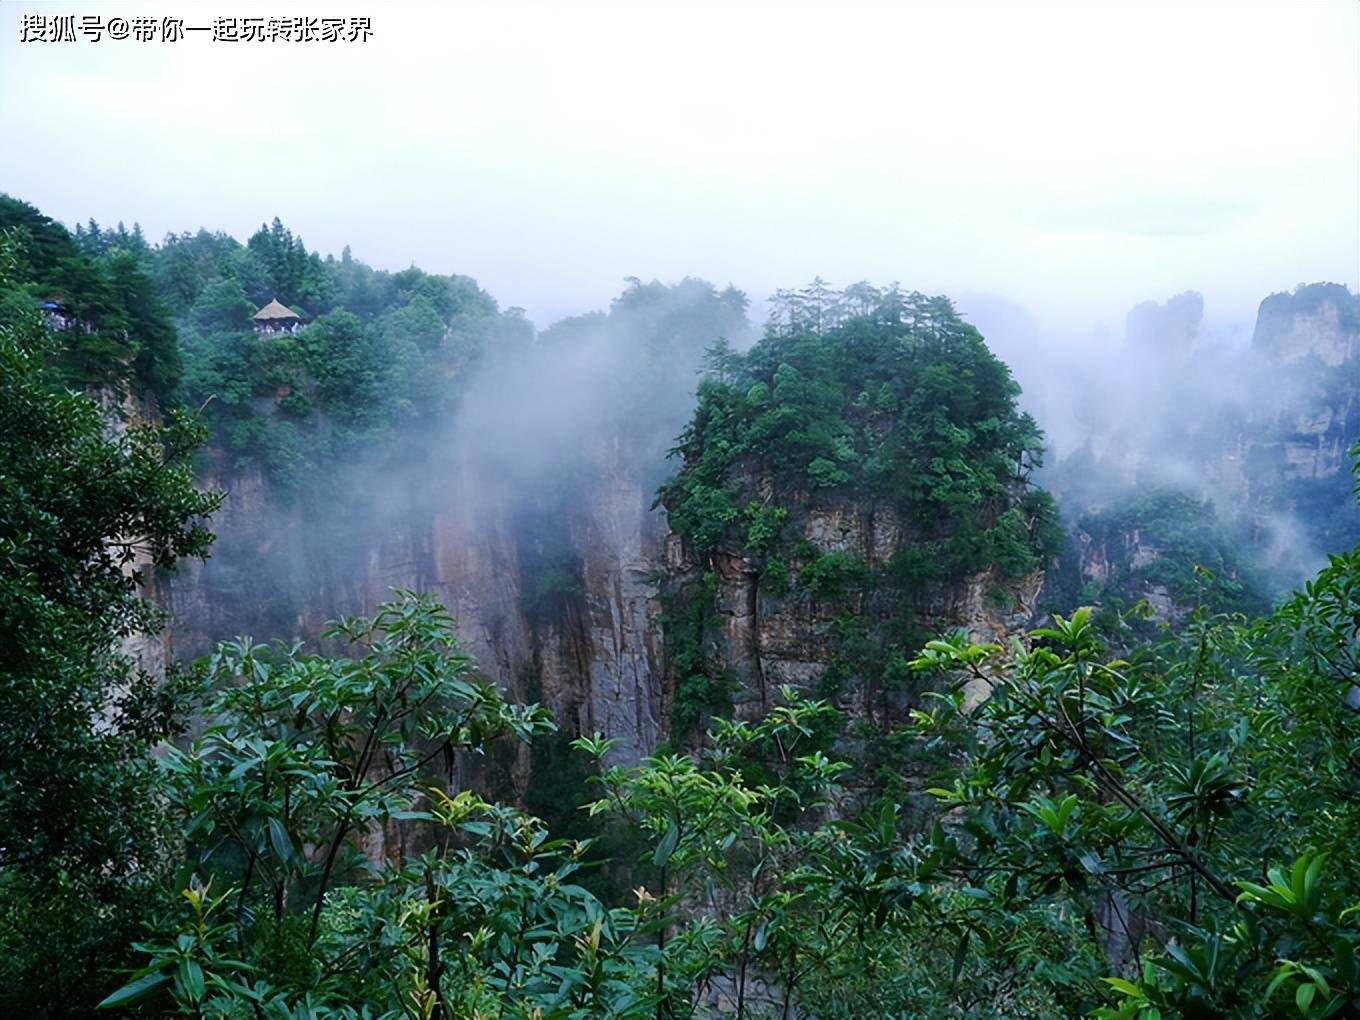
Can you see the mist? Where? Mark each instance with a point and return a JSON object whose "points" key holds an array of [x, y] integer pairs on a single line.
{"points": [[1107, 191], [502, 497], [1077, 159], [1183, 401]]}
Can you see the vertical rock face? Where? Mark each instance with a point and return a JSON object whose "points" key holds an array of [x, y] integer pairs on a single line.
{"points": [[1321, 320], [1307, 346], [766, 639], [149, 652], [1264, 433], [602, 661], [283, 567], [277, 570], [1122, 558]]}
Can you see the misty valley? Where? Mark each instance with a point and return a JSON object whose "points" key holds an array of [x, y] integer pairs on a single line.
{"points": [[368, 652]]}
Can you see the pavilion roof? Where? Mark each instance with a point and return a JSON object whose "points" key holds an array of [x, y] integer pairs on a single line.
{"points": [[274, 310]]}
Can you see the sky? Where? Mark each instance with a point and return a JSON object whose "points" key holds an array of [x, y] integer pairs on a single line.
{"points": [[1075, 158]]}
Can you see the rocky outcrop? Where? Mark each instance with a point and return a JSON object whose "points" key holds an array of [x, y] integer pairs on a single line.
{"points": [[1117, 561], [283, 567], [1165, 329], [599, 666], [1264, 433], [1308, 347], [148, 651], [1126, 547], [1321, 320], [836, 643]]}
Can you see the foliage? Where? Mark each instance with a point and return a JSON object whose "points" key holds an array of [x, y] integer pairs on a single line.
{"points": [[703, 687], [899, 398], [120, 331], [1162, 799], [381, 351], [705, 825], [305, 763], [1172, 542], [832, 573], [294, 276], [87, 513], [863, 405]]}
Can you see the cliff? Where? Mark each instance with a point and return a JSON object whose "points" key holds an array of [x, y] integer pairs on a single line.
{"points": [[1238, 461], [598, 664], [1320, 320], [846, 639], [851, 487], [282, 567], [525, 504], [530, 514], [150, 650]]}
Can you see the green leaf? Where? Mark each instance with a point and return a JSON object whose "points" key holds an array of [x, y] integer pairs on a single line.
{"points": [[191, 980], [134, 990], [1282, 975], [666, 847], [960, 955], [278, 838], [1312, 891], [1064, 812], [1303, 998], [1126, 987]]}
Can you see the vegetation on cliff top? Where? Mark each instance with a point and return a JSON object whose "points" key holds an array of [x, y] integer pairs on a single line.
{"points": [[884, 396], [380, 354], [381, 351], [869, 401], [119, 330]]}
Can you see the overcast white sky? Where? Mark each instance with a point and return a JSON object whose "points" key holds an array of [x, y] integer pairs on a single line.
{"points": [[1074, 157]]}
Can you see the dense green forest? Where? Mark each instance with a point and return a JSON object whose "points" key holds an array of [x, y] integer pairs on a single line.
{"points": [[880, 396], [1105, 816]]}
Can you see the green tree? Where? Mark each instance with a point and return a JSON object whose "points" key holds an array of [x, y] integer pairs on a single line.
{"points": [[122, 331], [157, 362], [85, 511], [1197, 806], [291, 274], [311, 889]]}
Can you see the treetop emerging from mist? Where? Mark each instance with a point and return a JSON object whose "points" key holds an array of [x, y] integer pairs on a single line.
{"points": [[883, 393]]}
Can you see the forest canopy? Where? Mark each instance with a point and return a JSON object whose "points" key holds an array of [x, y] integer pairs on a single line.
{"points": [[1106, 814]]}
